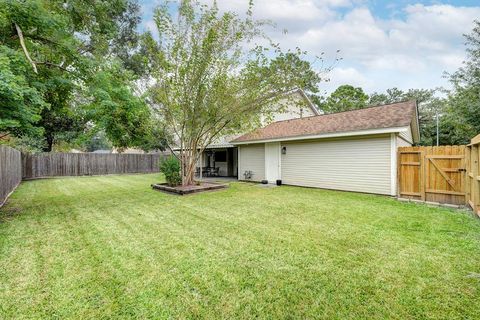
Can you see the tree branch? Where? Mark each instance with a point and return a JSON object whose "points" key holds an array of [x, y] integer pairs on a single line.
{"points": [[24, 47], [50, 64], [3, 135]]}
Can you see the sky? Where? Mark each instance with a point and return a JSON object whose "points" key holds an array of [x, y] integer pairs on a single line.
{"points": [[383, 44]]}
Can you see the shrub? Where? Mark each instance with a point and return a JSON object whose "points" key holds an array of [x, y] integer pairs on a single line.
{"points": [[170, 167]]}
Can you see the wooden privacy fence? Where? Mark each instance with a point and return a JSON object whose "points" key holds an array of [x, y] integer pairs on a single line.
{"points": [[432, 173], [445, 174], [10, 171], [80, 164]]}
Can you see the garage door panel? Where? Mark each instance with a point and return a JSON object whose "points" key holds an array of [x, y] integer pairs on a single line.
{"points": [[361, 164]]}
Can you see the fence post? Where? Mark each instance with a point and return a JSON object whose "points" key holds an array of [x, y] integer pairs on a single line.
{"points": [[468, 172], [10, 171], [475, 179], [423, 175]]}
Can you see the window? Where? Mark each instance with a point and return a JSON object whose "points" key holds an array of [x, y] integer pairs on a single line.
{"points": [[220, 156]]}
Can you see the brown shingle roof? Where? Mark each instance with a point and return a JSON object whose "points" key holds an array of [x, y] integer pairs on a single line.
{"points": [[381, 117]]}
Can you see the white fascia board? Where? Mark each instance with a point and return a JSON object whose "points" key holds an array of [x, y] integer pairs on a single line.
{"points": [[309, 101], [393, 164], [327, 135]]}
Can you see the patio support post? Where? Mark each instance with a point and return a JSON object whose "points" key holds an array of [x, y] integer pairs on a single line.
{"points": [[201, 165]]}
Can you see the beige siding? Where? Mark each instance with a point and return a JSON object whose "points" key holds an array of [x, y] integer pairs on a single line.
{"points": [[407, 135], [252, 158], [353, 164], [292, 108], [402, 143]]}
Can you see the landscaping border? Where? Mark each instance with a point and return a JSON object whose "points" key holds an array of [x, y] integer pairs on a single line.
{"points": [[204, 186]]}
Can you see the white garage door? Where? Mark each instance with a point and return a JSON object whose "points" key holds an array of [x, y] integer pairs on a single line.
{"points": [[354, 164]]}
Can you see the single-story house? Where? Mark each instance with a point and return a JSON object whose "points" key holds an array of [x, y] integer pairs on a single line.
{"points": [[352, 150], [222, 156]]}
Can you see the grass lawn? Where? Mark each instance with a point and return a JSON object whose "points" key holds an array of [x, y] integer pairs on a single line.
{"points": [[110, 247]]}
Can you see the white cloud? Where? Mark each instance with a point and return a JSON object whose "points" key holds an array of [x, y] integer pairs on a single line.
{"points": [[423, 44], [348, 75], [413, 48]]}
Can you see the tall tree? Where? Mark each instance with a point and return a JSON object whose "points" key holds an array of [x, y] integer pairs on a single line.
{"points": [[21, 100], [124, 117], [29, 34], [104, 34], [391, 95], [345, 98], [430, 105], [463, 103], [213, 79], [292, 62], [57, 49]]}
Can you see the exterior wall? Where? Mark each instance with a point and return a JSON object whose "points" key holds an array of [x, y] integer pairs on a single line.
{"points": [[295, 107], [361, 164], [407, 136], [252, 158], [222, 171]]}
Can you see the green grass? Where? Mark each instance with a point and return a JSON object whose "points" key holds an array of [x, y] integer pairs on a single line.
{"points": [[110, 247]]}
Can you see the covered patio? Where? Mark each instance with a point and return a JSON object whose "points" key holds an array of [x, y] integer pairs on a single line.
{"points": [[218, 161]]}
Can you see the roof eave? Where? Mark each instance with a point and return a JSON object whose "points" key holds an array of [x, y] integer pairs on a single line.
{"points": [[309, 102], [326, 135]]}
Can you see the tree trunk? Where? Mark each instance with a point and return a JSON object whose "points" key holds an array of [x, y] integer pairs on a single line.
{"points": [[189, 165], [49, 146]]}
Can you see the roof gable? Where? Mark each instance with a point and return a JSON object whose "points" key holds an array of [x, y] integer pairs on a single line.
{"points": [[395, 115]]}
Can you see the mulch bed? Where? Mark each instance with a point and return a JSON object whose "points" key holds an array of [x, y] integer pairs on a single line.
{"points": [[183, 190]]}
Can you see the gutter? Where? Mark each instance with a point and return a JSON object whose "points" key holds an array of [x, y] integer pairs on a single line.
{"points": [[326, 135]]}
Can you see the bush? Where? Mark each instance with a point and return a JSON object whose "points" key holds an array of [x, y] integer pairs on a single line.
{"points": [[170, 167]]}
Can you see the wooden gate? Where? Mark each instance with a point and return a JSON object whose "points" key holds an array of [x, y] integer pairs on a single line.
{"points": [[432, 174]]}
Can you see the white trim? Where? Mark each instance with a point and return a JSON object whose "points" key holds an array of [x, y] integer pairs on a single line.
{"points": [[238, 164], [411, 142], [326, 135], [310, 103], [393, 164], [280, 161], [271, 158], [219, 146]]}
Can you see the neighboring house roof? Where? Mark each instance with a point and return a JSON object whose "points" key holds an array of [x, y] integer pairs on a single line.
{"points": [[371, 120]]}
